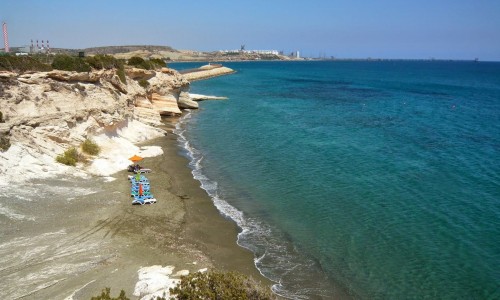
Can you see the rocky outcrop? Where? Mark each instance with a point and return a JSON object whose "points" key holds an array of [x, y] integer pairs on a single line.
{"points": [[185, 101], [44, 113], [165, 105], [138, 74], [73, 76]]}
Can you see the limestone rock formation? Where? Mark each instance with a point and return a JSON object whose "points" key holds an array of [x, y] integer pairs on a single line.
{"points": [[185, 101], [165, 105], [138, 74], [45, 113], [75, 76]]}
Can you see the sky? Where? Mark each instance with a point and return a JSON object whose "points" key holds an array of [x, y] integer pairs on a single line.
{"points": [[440, 29]]}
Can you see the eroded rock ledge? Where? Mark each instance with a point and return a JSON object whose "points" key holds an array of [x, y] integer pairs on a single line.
{"points": [[45, 113], [207, 71]]}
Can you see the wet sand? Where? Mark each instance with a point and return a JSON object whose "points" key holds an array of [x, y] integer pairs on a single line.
{"points": [[74, 246]]}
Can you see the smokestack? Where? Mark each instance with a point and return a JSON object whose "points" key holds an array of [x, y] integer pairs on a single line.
{"points": [[48, 47], [5, 37]]}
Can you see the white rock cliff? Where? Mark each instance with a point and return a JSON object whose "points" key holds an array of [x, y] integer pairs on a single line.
{"points": [[45, 113]]}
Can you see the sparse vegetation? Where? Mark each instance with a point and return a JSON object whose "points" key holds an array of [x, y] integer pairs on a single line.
{"points": [[120, 71], [105, 295], [138, 62], [157, 63], [4, 143], [144, 83], [213, 285], [70, 63], [22, 64], [69, 157], [220, 285], [1, 117], [100, 62], [151, 64], [90, 147]]}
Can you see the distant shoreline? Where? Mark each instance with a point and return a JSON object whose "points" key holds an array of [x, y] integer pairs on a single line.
{"points": [[170, 54]]}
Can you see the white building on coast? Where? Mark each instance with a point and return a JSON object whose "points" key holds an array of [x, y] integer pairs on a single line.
{"points": [[271, 52]]}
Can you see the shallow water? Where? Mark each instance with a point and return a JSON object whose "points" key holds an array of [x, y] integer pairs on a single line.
{"points": [[372, 179]]}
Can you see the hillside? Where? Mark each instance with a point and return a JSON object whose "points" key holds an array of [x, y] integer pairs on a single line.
{"points": [[125, 49], [168, 53]]}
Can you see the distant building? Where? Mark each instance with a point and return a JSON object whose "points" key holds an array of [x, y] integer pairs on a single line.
{"points": [[268, 52], [24, 49]]}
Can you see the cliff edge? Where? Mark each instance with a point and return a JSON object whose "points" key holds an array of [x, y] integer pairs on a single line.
{"points": [[45, 113]]}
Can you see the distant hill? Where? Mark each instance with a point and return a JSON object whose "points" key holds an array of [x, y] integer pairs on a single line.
{"points": [[125, 49], [167, 53]]}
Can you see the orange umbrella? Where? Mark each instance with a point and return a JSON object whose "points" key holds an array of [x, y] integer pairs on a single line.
{"points": [[135, 158], [140, 190]]}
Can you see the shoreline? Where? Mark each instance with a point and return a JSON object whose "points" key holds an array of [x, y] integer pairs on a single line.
{"points": [[203, 216], [81, 236]]}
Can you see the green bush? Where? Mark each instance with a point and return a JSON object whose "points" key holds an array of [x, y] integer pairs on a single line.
{"points": [[70, 63], [90, 147], [23, 64], [219, 285], [151, 64], [144, 83], [4, 143], [157, 63], [69, 157], [100, 61], [105, 295], [121, 74], [138, 62]]}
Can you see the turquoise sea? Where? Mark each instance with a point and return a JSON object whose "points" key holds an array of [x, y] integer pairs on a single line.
{"points": [[357, 179]]}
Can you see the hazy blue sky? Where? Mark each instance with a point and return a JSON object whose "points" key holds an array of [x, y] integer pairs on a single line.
{"points": [[456, 29]]}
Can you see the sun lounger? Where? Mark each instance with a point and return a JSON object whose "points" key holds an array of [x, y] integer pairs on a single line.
{"points": [[138, 201], [144, 186], [136, 193], [143, 200], [132, 178]]}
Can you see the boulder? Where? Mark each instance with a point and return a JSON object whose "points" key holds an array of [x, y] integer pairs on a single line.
{"points": [[75, 76], [138, 74], [185, 101], [169, 71], [7, 74], [118, 84]]}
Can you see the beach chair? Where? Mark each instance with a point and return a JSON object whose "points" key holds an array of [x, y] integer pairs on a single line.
{"points": [[141, 200], [136, 193], [138, 201]]}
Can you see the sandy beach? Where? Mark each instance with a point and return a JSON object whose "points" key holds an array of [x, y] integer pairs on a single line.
{"points": [[75, 237]]}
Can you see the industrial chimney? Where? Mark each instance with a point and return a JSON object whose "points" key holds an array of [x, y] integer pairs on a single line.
{"points": [[5, 37]]}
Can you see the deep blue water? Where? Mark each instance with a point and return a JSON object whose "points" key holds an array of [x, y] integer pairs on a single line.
{"points": [[375, 180]]}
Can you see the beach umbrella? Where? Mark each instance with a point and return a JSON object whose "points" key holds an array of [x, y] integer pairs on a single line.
{"points": [[135, 158]]}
